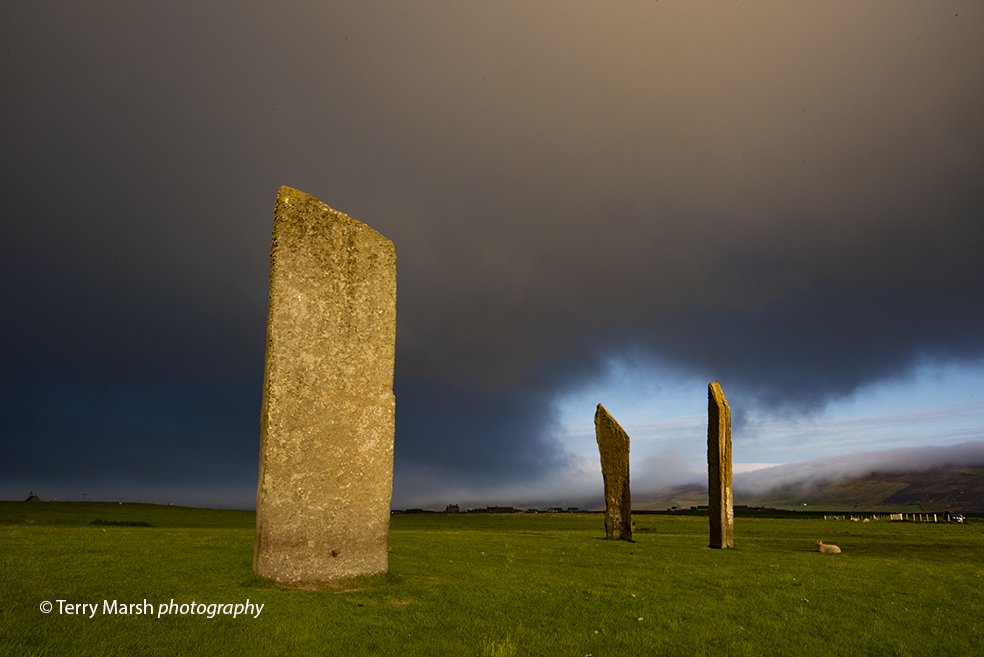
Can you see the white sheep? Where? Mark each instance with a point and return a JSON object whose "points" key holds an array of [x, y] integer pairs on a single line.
{"points": [[827, 549]]}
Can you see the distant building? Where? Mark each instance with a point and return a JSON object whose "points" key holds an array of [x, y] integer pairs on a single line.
{"points": [[452, 508]]}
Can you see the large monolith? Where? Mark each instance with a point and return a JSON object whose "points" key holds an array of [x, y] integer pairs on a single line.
{"points": [[721, 501], [613, 444], [327, 424]]}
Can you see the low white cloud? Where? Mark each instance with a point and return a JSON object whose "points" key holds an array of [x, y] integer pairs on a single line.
{"points": [[665, 469], [838, 468]]}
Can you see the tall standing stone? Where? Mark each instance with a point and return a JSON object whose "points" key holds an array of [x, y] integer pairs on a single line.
{"points": [[721, 501], [327, 424], [613, 444]]}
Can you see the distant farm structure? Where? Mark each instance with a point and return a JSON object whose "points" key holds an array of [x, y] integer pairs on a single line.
{"points": [[902, 517]]}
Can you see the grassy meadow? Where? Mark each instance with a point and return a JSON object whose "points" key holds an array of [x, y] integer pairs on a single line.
{"points": [[496, 585]]}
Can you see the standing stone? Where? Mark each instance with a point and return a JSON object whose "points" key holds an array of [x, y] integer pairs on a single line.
{"points": [[721, 502], [327, 423], [613, 444]]}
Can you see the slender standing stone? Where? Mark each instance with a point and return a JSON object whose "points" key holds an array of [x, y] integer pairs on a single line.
{"points": [[613, 444], [327, 423], [721, 502]]}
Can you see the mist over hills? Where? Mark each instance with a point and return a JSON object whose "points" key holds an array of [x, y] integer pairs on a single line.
{"points": [[947, 478]]}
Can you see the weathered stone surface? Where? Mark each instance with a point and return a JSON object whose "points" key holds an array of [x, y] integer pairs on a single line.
{"points": [[613, 444], [327, 424], [721, 501]]}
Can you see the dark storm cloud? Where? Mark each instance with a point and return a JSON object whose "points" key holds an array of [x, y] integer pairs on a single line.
{"points": [[785, 197]]}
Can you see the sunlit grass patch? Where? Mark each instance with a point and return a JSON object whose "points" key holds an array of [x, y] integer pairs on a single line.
{"points": [[471, 584]]}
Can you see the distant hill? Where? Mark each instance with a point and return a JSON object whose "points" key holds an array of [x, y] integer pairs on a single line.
{"points": [[681, 497], [956, 488]]}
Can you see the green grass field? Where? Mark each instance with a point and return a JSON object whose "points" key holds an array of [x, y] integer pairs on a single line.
{"points": [[496, 585]]}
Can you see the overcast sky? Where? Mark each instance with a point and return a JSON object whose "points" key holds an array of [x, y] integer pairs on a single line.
{"points": [[590, 202]]}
